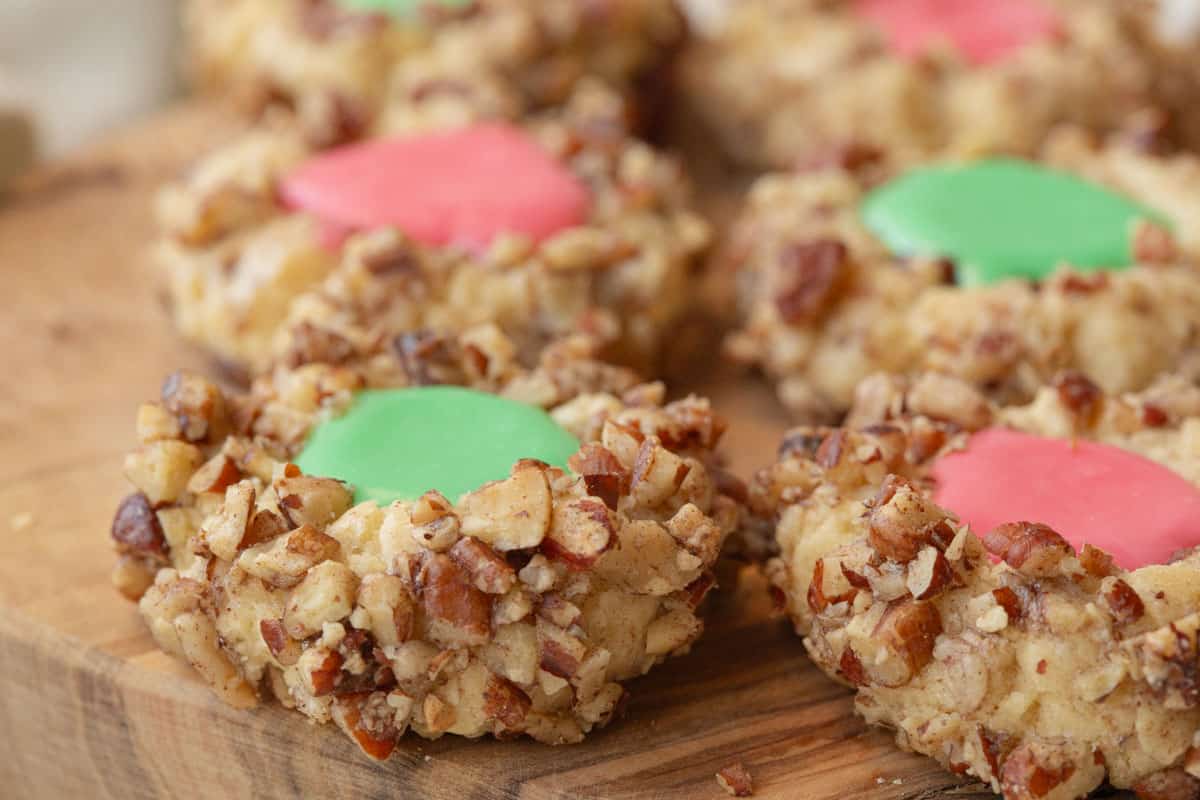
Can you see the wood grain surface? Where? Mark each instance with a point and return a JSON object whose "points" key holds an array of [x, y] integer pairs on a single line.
{"points": [[89, 708]]}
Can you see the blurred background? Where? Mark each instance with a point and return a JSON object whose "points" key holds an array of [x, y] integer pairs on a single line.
{"points": [[72, 69]]}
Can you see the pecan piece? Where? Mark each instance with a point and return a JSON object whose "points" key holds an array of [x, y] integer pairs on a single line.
{"points": [[369, 721], [908, 629], [901, 521], [1124, 603], [929, 574], [216, 475], [602, 473], [311, 344], [851, 668], [506, 703], [284, 648], [458, 613], [197, 405], [735, 780], [1079, 394], [489, 571], [1023, 777], [1007, 599], [324, 676], [580, 532], [305, 500], [810, 275], [136, 529], [1031, 548], [1170, 784], [512, 514]]}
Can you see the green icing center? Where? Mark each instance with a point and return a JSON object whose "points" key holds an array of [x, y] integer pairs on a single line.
{"points": [[398, 8], [397, 444], [1005, 218]]}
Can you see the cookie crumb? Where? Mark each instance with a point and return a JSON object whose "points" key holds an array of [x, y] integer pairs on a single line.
{"points": [[735, 780], [22, 521]]}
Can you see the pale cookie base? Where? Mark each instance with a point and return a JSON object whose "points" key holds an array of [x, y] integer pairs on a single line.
{"points": [[1043, 674], [311, 53], [825, 303], [519, 609], [242, 271], [783, 82]]}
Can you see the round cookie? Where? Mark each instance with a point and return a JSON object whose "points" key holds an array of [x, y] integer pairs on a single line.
{"points": [[783, 82], [343, 66], [1038, 665], [1001, 272], [520, 607], [273, 250]]}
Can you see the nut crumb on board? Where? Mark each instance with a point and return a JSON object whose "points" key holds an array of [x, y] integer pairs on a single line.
{"points": [[21, 521], [735, 779]]}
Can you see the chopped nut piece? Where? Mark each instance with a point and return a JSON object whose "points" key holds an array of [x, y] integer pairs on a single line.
{"points": [[512, 514], [226, 531], [325, 595], [810, 275], [489, 572], [579, 533], [389, 608], [902, 521], [735, 780], [1031, 548], [506, 703], [285, 560], [136, 528], [312, 501], [602, 473], [928, 574], [908, 630], [459, 614], [1124, 602]]}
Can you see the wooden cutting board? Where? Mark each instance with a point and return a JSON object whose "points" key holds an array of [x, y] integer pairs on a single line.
{"points": [[89, 708]]}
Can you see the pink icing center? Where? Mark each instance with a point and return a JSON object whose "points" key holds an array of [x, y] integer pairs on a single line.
{"points": [[460, 187], [983, 31], [1134, 508]]}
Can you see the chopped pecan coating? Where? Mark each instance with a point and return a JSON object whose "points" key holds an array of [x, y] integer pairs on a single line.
{"points": [[1043, 672], [517, 609]]}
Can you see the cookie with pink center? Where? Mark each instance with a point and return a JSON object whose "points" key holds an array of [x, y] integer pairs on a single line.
{"points": [[780, 82], [1014, 589], [1000, 271], [342, 65], [274, 250]]}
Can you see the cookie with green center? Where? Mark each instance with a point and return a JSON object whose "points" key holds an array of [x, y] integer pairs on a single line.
{"points": [[345, 63], [494, 555], [1014, 589], [998, 271], [781, 82], [275, 250]]}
